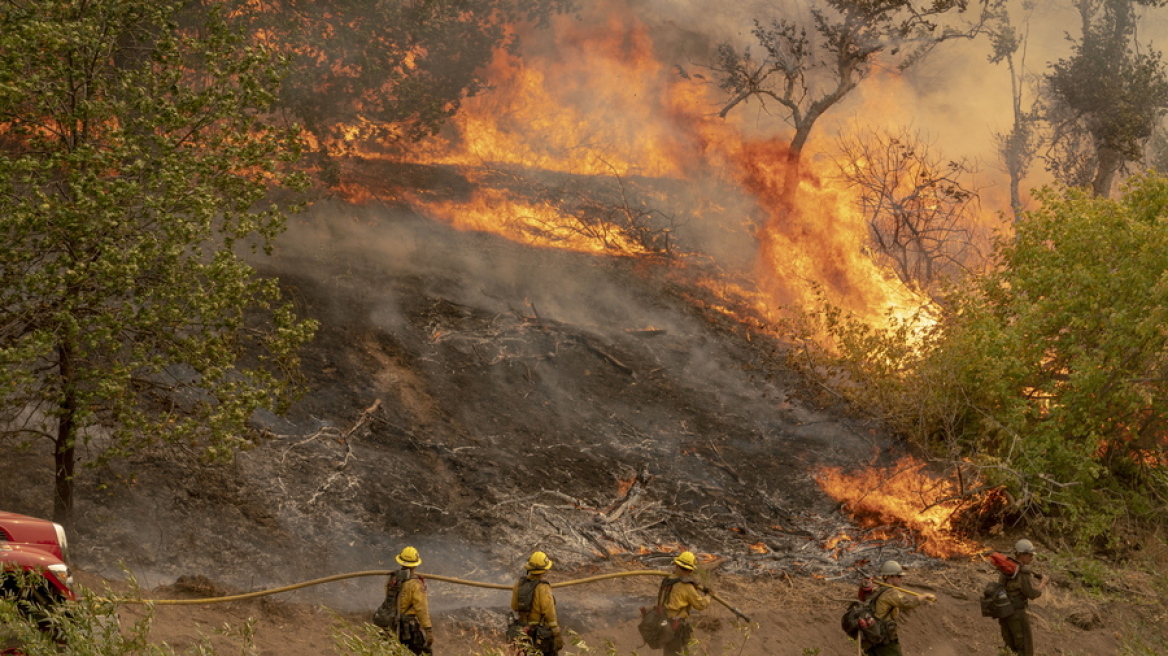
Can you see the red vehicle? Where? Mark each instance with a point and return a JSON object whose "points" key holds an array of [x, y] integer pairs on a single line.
{"points": [[31, 544], [36, 547]]}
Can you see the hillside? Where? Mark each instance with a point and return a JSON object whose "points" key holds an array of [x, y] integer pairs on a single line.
{"points": [[479, 399]]}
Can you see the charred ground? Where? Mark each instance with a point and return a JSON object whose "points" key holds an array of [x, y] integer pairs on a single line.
{"points": [[478, 399], [481, 399]]}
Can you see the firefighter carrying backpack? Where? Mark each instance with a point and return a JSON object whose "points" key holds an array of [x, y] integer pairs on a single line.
{"points": [[655, 627], [860, 622], [386, 615], [995, 602], [518, 629]]}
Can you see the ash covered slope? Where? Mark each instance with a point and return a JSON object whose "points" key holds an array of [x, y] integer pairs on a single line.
{"points": [[478, 398]]}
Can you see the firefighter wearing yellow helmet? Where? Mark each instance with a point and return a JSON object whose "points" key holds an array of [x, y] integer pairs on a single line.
{"points": [[535, 609], [680, 594], [411, 625], [889, 600]]}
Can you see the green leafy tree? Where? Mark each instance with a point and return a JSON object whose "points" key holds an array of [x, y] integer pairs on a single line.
{"points": [[1071, 383], [135, 163], [1105, 100], [1046, 378]]}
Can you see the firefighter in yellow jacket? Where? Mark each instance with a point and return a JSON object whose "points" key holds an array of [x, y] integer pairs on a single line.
{"points": [[533, 603], [891, 600], [414, 629], [685, 594]]}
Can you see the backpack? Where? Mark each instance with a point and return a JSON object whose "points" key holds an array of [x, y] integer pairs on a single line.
{"points": [[655, 627], [995, 602], [860, 622], [386, 615], [518, 630]]}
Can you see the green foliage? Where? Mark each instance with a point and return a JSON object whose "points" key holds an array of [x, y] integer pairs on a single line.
{"points": [[1141, 642], [91, 626], [1091, 572], [1050, 374], [1112, 91], [367, 640], [135, 162]]}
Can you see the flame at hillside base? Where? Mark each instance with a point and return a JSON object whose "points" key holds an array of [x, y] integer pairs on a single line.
{"points": [[885, 500]]}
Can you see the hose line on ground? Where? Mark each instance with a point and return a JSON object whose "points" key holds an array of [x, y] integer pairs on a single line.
{"points": [[387, 572]]}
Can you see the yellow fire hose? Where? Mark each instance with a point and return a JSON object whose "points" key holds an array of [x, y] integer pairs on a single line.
{"points": [[386, 572], [889, 585]]}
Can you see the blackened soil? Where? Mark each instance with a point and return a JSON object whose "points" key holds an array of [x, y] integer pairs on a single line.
{"points": [[479, 399]]}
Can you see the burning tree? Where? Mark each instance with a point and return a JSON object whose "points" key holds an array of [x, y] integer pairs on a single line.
{"points": [[383, 71], [807, 74], [917, 208], [133, 162], [1048, 374]]}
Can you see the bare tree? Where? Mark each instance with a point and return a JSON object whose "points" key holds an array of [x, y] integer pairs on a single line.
{"points": [[808, 73], [918, 210], [1018, 147]]}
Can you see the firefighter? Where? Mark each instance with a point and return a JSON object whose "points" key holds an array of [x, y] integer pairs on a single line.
{"points": [[684, 595], [535, 608], [888, 606], [1021, 588], [414, 629]]}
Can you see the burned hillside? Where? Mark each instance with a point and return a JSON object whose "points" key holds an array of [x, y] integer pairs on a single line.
{"points": [[478, 399]]}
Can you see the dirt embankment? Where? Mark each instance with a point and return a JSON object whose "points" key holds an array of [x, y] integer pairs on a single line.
{"points": [[790, 617]]}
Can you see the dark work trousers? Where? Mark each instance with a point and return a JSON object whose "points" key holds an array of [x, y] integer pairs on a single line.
{"points": [[1016, 633], [681, 637], [886, 649]]}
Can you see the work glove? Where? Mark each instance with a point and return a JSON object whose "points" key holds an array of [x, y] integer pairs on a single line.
{"points": [[558, 641], [429, 634]]}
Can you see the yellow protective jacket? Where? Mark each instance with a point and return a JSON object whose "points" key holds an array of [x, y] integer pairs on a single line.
{"points": [[412, 601], [892, 601], [543, 605], [685, 597]]}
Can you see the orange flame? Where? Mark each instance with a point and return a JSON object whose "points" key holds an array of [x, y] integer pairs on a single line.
{"points": [[591, 97], [623, 485], [886, 500]]}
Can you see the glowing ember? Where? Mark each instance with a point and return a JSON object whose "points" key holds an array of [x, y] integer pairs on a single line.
{"points": [[623, 485], [759, 548], [887, 501]]}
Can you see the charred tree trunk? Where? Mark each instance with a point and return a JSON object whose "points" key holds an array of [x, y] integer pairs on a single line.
{"points": [[66, 442], [794, 168]]}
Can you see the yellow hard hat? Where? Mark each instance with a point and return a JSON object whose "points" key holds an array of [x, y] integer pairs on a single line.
{"points": [[686, 561], [539, 562], [409, 557]]}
